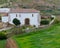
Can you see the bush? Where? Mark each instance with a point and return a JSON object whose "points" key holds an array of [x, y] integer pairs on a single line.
{"points": [[2, 36], [56, 21], [16, 21], [44, 22], [0, 17], [17, 31], [23, 27], [27, 26], [52, 18]]}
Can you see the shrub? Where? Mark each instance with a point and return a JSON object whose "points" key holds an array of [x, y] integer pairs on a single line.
{"points": [[24, 27], [17, 31], [52, 18], [34, 25], [2, 36], [44, 22], [56, 21], [0, 17], [16, 21]]}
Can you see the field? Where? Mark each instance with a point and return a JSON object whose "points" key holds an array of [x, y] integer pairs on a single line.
{"points": [[2, 43], [46, 38]]}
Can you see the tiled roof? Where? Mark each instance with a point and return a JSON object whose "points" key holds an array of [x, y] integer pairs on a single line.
{"points": [[17, 10], [4, 14]]}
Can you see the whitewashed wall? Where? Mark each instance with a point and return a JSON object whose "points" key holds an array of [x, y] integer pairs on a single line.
{"points": [[6, 10], [22, 16], [5, 19]]}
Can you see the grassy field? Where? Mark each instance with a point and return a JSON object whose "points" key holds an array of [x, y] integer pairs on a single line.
{"points": [[2, 43], [46, 38]]}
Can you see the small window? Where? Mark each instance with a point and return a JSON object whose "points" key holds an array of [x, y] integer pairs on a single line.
{"points": [[32, 15], [16, 15], [19, 15]]}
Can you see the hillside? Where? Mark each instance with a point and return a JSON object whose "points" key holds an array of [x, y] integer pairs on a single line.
{"points": [[45, 6], [31, 2], [41, 2], [3, 1]]}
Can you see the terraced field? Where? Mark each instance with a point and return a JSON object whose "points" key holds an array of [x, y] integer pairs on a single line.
{"points": [[46, 38]]}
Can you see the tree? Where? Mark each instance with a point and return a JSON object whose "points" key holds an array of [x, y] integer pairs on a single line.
{"points": [[16, 21]]}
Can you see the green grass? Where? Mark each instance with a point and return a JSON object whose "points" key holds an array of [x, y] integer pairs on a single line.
{"points": [[2, 43], [45, 38]]}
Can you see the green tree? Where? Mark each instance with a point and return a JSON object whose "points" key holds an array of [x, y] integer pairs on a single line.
{"points": [[16, 21]]}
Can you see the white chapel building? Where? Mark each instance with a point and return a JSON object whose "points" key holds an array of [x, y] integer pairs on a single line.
{"points": [[26, 16]]}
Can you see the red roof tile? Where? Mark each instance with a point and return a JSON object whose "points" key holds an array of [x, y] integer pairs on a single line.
{"points": [[17, 10], [4, 14]]}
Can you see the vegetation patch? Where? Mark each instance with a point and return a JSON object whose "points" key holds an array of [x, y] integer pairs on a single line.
{"points": [[2, 43], [45, 38], [3, 34], [44, 22], [3, 1]]}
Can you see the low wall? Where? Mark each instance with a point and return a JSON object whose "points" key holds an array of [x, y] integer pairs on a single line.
{"points": [[52, 20]]}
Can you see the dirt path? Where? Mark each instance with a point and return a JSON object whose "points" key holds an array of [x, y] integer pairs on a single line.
{"points": [[11, 43]]}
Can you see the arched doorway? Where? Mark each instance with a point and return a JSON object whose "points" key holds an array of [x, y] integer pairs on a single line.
{"points": [[27, 21]]}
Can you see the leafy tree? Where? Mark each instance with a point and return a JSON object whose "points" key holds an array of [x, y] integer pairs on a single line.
{"points": [[16, 21]]}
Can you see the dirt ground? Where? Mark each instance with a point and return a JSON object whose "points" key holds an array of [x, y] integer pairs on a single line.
{"points": [[1, 25]]}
